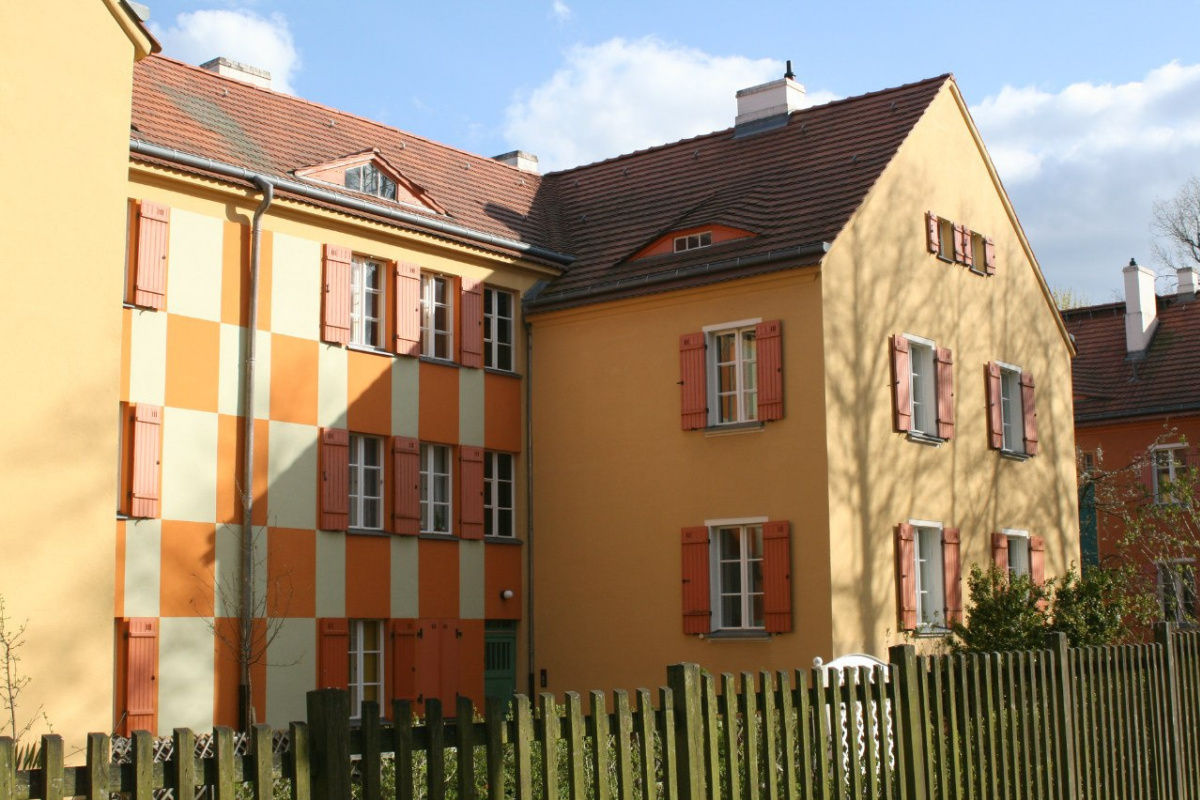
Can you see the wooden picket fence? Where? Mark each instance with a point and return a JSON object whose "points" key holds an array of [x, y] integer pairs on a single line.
{"points": [[1097, 723]]}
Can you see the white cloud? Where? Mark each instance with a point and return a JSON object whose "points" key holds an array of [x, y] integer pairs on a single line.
{"points": [[264, 42], [560, 11], [620, 95], [1084, 165]]}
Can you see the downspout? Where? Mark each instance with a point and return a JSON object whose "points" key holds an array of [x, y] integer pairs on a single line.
{"points": [[246, 638], [533, 689]]}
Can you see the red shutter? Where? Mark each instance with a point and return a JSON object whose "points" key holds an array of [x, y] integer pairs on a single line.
{"points": [[697, 610], [335, 479], [901, 384], [147, 446], [933, 239], [1037, 559], [428, 646], [150, 280], [958, 242], [408, 310], [406, 486], [769, 352], [945, 392], [692, 387], [952, 576], [995, 412], [472, 323], [1030, 411], [404, 659], [968, 250], [333, 654], [141, 675], [777, 577], [1000, 551], [336, 321], [470, 471], [906, 579], [989, 256], [451, 665]]}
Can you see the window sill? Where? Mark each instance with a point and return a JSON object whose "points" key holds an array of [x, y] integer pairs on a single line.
{"points": [[931, 633], [445, 362], [503, 540], [375, 351], [437, 535], [737, 636], [507, 373], [367, 532], [1013, 455], [733, 428], [924, 438]]}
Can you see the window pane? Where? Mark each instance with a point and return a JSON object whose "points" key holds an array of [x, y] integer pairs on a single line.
{"points": [[731, 546], [731, 611], [757, 611], [506, 524]]}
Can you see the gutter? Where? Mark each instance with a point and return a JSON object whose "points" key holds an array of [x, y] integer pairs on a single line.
{"points": [[1139, 414], [316, 193], [529, 616]]}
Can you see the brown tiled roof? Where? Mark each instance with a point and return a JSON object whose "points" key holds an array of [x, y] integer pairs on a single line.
{"points": [[1110, 386]]}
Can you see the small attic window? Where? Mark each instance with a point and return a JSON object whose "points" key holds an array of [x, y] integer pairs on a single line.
{"points": [[368, 179], [693, 241]]}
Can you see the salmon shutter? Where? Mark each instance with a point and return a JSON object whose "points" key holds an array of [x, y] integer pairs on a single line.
{"points": [[427, 678], [406, 486], [989, 256], [336, 322], [472, 323], [408, 310], [697, 612], [906, 578], [1030, 412], [967, 249], [335, 479], [1037, 559], [901, 384], [959, 253], [945, 392], [451, 649], [470, 470], [777, 577], [404, 659], [333, 654], [1000, 551], [150, 281], [952, 576], [692, 387], [995, 412], [147, 445], [141, 675], [933, 239], [769, 366]]}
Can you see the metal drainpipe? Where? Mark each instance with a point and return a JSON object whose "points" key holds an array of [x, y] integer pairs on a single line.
{"points": [[529, 499], [246, 638]]}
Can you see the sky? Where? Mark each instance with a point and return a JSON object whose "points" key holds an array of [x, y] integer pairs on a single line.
{"points": [[1090, 111]]}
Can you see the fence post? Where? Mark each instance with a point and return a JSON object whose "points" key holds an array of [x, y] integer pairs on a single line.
{"points": [[1064, 708], [329, 743], [684, 681], [908, 714], [1164, 637]]}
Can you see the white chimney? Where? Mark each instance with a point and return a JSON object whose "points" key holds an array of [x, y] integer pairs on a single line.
{"points": [[526, 162], [1186, 290], [239, 71], [1141, 308], [769, 104]]}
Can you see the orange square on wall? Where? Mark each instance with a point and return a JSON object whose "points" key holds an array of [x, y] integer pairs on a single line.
{"points": [[502, 413], [188, 570], [369, 393], [368, 570], [193, 356], [502, 565], [294, 370], [438, 408], [291, 573], [231, 432], [438, 580]]}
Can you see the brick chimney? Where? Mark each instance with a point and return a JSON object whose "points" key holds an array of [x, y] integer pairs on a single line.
{"points": [[1141, 309], [239, 71], [768, 105], [526, 162]]}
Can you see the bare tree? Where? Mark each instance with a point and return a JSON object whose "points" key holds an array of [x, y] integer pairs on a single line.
{"points": [[12, 683], [1176, 223]]}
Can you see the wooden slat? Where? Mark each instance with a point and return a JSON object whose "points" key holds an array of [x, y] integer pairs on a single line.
{"points": [[644, 724], [51, 763], [576, 779], [751, 765], [551, 733], [435, 763], [598, 731], [99, 755], [770, 735], [494, 710], [666, 734], [852, 720], [523, 747], [939, 746], [263, 759], [464, 716], [711, 734], [8, 769], [787, 736], [992, 730], [804, 730], [624, 741], [298, 765], [370, 764]]}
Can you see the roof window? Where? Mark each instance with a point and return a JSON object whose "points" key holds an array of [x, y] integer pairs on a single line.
{"points": [[693, 241], [368, 178]]}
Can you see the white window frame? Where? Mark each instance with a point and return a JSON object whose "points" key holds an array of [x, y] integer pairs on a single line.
{"points": [[437, 342], [361, 323], [746, 561], [434, 479], [1174, 466], [496, 346], [923, 395], [1020, 554], [360, 688], [1012, 409], [373, 181], [930, 575], [946, 237], [495, 512], [693, 241], [362, 503], [745, 397], [1181, 572]]}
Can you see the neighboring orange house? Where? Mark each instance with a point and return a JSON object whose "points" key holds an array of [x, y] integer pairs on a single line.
{"points": [[1137, 403]]}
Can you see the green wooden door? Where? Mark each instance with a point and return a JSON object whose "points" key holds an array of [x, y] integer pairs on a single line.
{"points": [[500, 659]]}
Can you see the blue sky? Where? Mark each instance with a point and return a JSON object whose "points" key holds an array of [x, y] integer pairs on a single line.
{"points": [[1091, 111]]}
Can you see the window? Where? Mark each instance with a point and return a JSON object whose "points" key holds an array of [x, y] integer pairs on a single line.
{"points": [[368, 179], [731, 373], [693, 241], [366, 482], [931, 612], [366, 302], [139, 470], [1018, 552], [1010, 413], [928, 576], [1012, 417], [436, 317], [959, 244], [737, 577], [735, 388], [435, 488], [923, 388], [366, 664], [1177, 591], [739, 585], [497, 329], [147, 252], [498, 495], [946, 239], [1169, 466]]}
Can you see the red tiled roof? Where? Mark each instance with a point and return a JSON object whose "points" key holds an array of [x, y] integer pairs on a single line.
{"points": [[1110, 386]]}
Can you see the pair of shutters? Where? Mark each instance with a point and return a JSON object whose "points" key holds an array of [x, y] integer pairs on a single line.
{"points": [[906, 575], [777, 579], [964, 253], [144, 478], [996, 411], [406, 308], [139, 686], [150, 262], [693, 381], [405, 463], [902, 416], [1037, 555]]}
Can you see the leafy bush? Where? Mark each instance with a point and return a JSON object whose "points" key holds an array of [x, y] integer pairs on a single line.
{"points": [[1007, 613]]}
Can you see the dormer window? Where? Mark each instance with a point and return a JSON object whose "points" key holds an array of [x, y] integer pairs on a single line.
{"points": [[367, 178], [693, 242]]}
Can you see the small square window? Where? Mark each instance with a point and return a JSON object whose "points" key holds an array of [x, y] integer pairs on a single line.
{"points": [[733, 385], [435, 488], [497, 329], [366, 665], [366, 302], [437, 317], [1169, 468], [737, 562], [498, 515], [366, 482], [693, 241], [368, 179]]}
